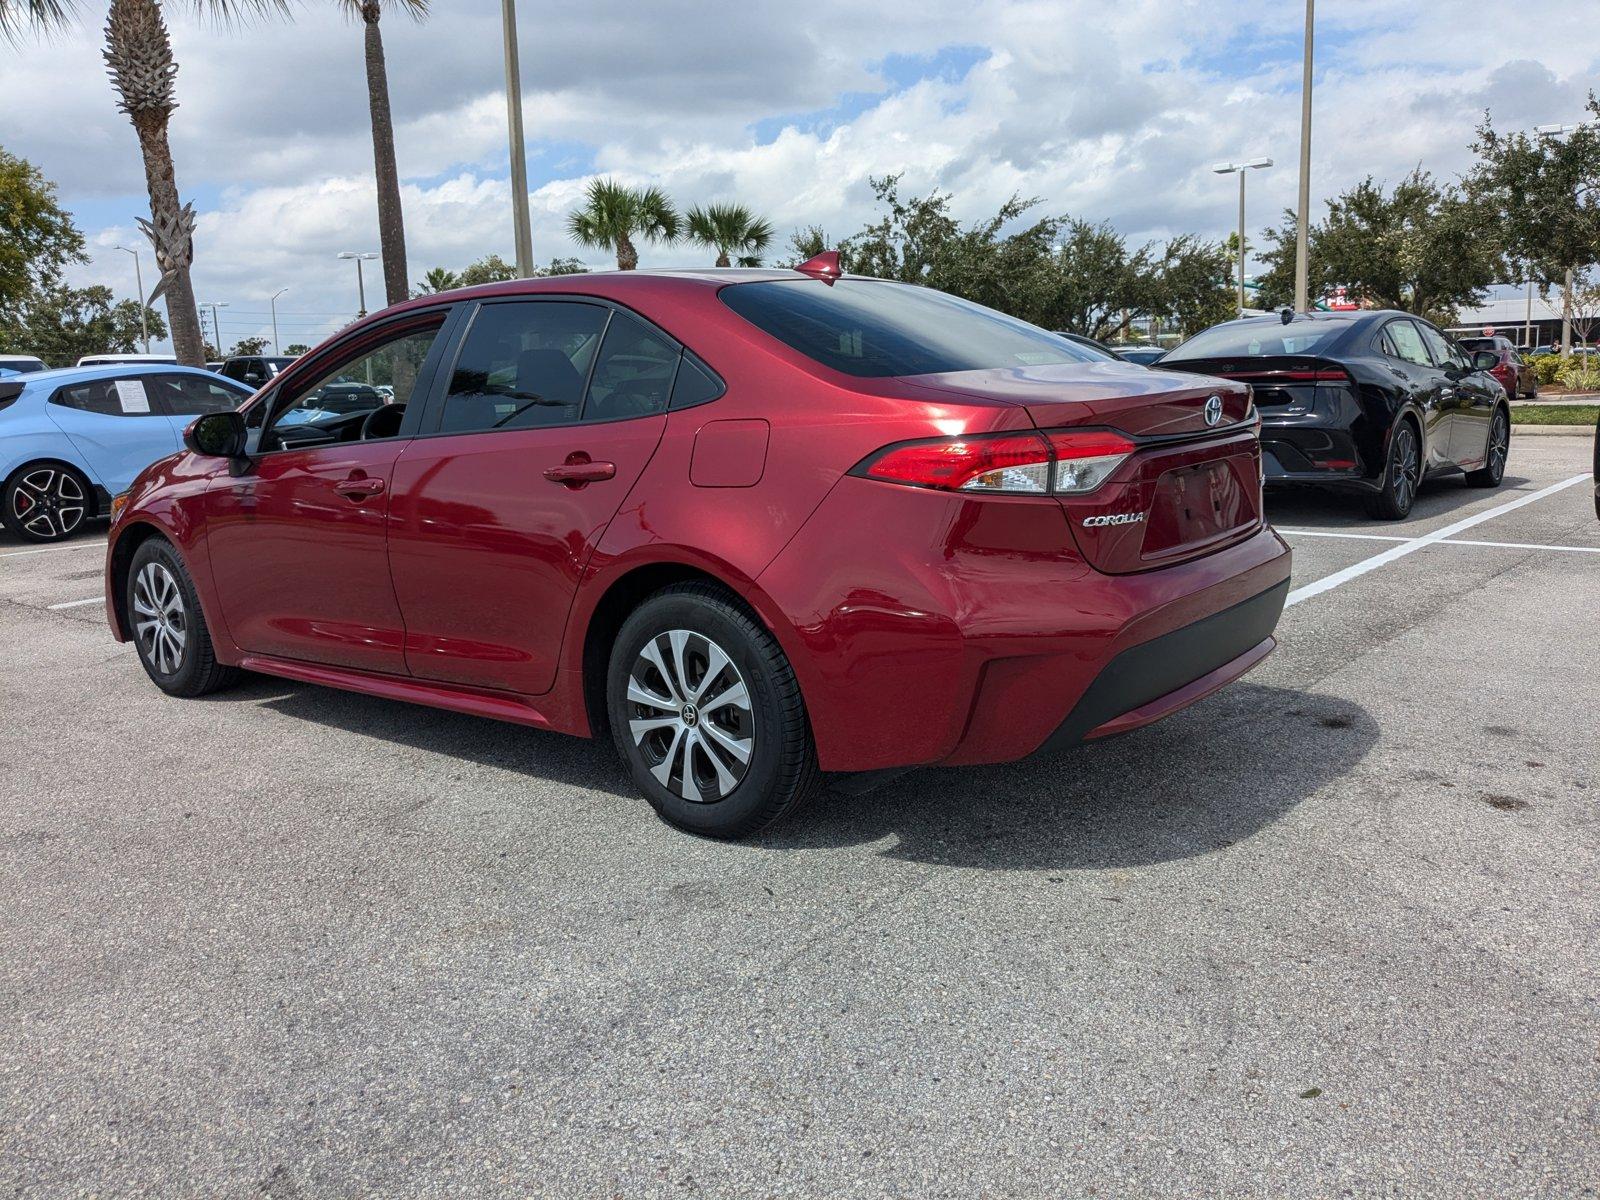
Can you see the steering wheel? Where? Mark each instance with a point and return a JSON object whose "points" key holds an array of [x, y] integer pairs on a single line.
{"points": [[383, 422]]}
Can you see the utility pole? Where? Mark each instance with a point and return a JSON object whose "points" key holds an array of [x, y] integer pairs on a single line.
{"points": [[1302, 255], [521, 223], [216, 323], [274, 302], [144, 309], [1241, 168], [1527, 320]]}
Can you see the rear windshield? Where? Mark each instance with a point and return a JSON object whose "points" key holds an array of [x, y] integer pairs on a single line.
{"points": [[873, 328], [1259, 337]]}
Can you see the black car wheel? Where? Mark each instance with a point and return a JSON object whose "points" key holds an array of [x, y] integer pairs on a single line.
{"points": [[1401, 474], [46, 502], [1495, 451], [706, 711], [168, 628]]}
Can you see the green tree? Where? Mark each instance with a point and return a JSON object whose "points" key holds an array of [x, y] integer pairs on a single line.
{"points": [[138, 57], [37, 236], [808, 243], [248, 346], [730, 229], [491, 268], [64, 323], [391, 221], [437, 280], [1544, 193], [1421, 248], [1191, 285], [613, 215], [561, 266], [296, 348]]}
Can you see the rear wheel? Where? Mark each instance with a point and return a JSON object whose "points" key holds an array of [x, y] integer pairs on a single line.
{"points": [[169, 630], [1494, 460], [707, 713], [1401, 474], [46, 502]]}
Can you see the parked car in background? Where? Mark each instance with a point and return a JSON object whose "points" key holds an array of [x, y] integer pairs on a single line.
{"points": [[71, 439], [21, 364], [1145, 354], [731, 519], [1372, 402], [255, 370], [1515, 375], [215, 365], [111, 360]]}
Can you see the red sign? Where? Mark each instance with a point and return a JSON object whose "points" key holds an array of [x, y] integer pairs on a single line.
{"points": [[1488, 331]]}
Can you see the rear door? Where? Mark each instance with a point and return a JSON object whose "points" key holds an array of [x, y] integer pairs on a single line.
{"points": [[552, 411], [115, 424], [1422, 384]]}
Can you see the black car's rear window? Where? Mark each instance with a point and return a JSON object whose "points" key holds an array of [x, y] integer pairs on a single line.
{"points": [[1267, 336], [873, 328]]}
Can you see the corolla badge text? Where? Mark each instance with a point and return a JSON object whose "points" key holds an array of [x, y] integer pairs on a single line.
{"points": [[1114, 519]]}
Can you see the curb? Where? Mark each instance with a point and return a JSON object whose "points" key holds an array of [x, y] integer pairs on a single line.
{"points": [[1551, 430]]}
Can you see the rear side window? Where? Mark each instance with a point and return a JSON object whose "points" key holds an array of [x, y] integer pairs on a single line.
{"points": [[1405, 343], [108, 397], [695, 383], [872, 329], [1265, 337], [524, 364]]}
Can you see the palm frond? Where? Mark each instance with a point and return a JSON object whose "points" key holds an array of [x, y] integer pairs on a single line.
{"points": [[37, 16]]}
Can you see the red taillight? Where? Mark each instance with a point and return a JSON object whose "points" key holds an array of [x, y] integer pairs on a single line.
{"points": [[1016, 464], [1296, 376]]}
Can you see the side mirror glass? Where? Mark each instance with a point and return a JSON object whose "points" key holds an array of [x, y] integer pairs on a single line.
{"points": [[216, 435], [1485, 360]]}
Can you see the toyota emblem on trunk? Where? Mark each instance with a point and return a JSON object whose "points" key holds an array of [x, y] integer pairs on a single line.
{"points": [[1213, 409]]}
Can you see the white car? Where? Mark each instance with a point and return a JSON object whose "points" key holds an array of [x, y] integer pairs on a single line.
{"points": [[20, 364], [113, 360]]}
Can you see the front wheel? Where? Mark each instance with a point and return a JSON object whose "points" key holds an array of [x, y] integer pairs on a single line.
{"points": [[1494, 454], [1401, 473], [169, 630], [707, 713]]}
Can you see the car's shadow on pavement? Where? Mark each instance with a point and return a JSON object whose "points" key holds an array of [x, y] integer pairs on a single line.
{"points": [[1202, 780], [1316, 508]]}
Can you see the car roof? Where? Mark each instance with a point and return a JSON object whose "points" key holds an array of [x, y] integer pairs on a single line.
{"points": [[62, 375]]}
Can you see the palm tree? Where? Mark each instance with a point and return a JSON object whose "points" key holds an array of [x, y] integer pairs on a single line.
{"points": [[729, 229], [438, 280], [391, 223], [614, 214], [138, 56]]}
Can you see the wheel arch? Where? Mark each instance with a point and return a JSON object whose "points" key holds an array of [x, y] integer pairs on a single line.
{"points": [[132, 536]]}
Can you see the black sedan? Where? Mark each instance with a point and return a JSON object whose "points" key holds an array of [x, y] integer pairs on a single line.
{"points": [[1370, 402]]}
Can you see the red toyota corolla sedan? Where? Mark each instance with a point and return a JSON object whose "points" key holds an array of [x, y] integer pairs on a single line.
{"points": [[755, 524]]}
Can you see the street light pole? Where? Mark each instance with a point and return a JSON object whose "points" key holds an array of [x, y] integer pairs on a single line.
{"points": [[273, 301], [521, 223], [1241, 168], [1302, 255], [144, 310], [360, 256]]}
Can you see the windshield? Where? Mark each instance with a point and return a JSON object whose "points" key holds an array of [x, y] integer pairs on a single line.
{"points": [[1265, 337], [872, 328]]}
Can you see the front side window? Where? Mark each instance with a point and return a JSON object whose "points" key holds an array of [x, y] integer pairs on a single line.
{"points": [[110, 397], [362, 398], [192, 396], [1444, 354], [523, 364], [872, 328]]}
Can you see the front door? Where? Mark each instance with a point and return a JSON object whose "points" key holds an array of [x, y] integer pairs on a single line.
{"points": [[1423, 385], [553, 410], [298, 542]]}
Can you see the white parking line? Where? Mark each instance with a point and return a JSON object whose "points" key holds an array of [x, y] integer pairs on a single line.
{"points": [[53, 549], [1384, 537], [1355, 571], [77, 603]]}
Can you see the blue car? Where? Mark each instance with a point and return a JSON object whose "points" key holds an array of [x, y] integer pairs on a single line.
{"points": [[72, 439]]}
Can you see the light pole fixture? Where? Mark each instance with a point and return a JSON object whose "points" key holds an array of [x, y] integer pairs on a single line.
{"points": [[360, 256], [1302, 223], [216, 322], [1254, 164], [144, 311], [521, 225], [273, 301]]}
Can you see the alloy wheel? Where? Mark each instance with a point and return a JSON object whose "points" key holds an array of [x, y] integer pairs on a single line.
{"points": [[1404, 469], [49, 503], [690, 715], [1499, 445], [160, 622]]}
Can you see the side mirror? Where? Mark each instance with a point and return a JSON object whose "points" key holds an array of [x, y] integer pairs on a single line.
{"points": [[1485, 360], [216, 435]]}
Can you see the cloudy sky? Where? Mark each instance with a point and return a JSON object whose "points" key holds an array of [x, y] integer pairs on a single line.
{"points": [[1111, 111]]}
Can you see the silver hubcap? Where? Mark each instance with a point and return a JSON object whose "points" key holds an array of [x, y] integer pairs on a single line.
{"points": [[1405, 469], [49, 503], [159, 621], [690, 715]]}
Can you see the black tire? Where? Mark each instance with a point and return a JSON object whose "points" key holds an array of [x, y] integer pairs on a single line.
{"points": [[692, 751], [47, 502], [180, 659], [1402, 473], [1495, 451]]}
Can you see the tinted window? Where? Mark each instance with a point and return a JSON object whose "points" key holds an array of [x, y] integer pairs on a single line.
{"points": [[633, 375], [523, 364], [1437, 346], [870, 328], [695, 383], [191, 395], [109, 397], [1248, 339], [1405, 342]]}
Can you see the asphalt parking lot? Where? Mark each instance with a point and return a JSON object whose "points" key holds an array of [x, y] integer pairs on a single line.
{"points": [[1330, 932]]}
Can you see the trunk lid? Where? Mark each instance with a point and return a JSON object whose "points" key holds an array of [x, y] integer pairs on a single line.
{"points": [[1278, 380]]}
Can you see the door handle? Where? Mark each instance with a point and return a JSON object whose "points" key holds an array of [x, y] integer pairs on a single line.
{"points": [[580, 469], [359, 488]]}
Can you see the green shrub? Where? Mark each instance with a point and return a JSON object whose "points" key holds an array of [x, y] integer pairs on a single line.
{"points": [[1547, 367], [1580, 373]]}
